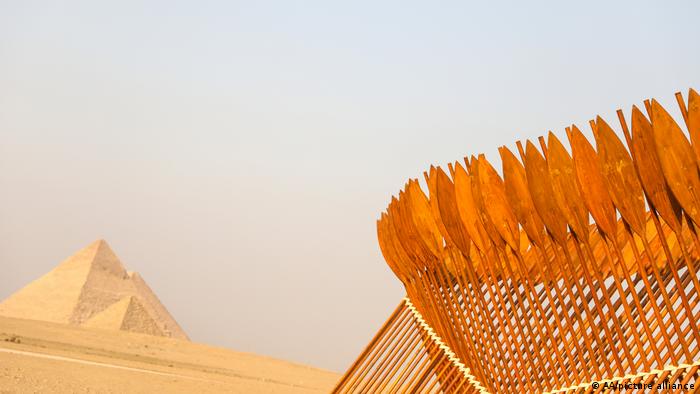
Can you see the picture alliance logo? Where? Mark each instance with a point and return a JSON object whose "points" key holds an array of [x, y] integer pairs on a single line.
{"points": [[665, 385], [624, 386]]}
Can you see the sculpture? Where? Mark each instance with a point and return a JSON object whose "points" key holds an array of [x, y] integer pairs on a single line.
{"points": [[568, 273]]}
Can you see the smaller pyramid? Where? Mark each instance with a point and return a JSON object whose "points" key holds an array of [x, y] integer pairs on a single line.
{"points": [[127, 314]]}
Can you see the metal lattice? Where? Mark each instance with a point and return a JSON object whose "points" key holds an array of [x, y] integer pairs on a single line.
{"points": [[571, 272]]}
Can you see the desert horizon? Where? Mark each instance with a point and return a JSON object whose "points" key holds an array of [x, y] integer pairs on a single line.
{"points": [[39, 356]]}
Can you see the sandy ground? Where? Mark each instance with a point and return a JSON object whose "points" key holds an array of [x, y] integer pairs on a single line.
{"points": [[42, 357]]}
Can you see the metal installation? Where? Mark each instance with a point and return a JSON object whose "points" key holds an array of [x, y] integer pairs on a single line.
{"points": [[570, 271]]}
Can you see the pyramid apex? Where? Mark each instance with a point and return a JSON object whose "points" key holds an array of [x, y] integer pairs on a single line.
{"points": [[105, 258], [98, 243], [101, 243]]}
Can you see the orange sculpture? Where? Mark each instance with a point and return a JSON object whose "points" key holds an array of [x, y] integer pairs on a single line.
{"points": [[570, 272]]}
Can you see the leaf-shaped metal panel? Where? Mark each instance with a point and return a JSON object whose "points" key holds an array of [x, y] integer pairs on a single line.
{"points": [[540, 186], [565, 186], [590, 180], [423, 219], [387, 249], [519, 197], [677, 160], [431, 181], [467, 209], [649, 169], [402, 238], [694, 121], [620, 176], [404, 260], [446, 199], [493, 234], [412, 238], [496, 204]]}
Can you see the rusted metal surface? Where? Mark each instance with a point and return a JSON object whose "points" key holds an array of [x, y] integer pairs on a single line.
{"points": [[571, 270]]}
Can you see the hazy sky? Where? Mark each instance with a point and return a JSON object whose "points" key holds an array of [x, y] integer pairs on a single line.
{"points": [[237, 154]]}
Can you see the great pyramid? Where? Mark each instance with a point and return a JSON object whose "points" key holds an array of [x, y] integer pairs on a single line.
{"points": [[92, 288]]}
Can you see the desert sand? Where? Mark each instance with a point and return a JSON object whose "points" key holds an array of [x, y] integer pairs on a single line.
{"points": [[41, 357]]}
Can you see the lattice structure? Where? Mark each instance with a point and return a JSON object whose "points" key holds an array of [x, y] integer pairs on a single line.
{"points": [[405, 356], [568, 273]]}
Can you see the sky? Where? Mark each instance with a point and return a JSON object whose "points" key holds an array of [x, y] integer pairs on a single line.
{"points": [[238, 154]]}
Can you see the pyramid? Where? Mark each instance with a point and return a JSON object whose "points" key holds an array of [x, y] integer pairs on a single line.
{"points": [[127, 314], [93, 288]]}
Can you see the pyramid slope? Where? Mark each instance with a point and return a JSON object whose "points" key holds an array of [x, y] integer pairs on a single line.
{"points": [[87, 284], [168, 324], [137, 319], [53, 296]]}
